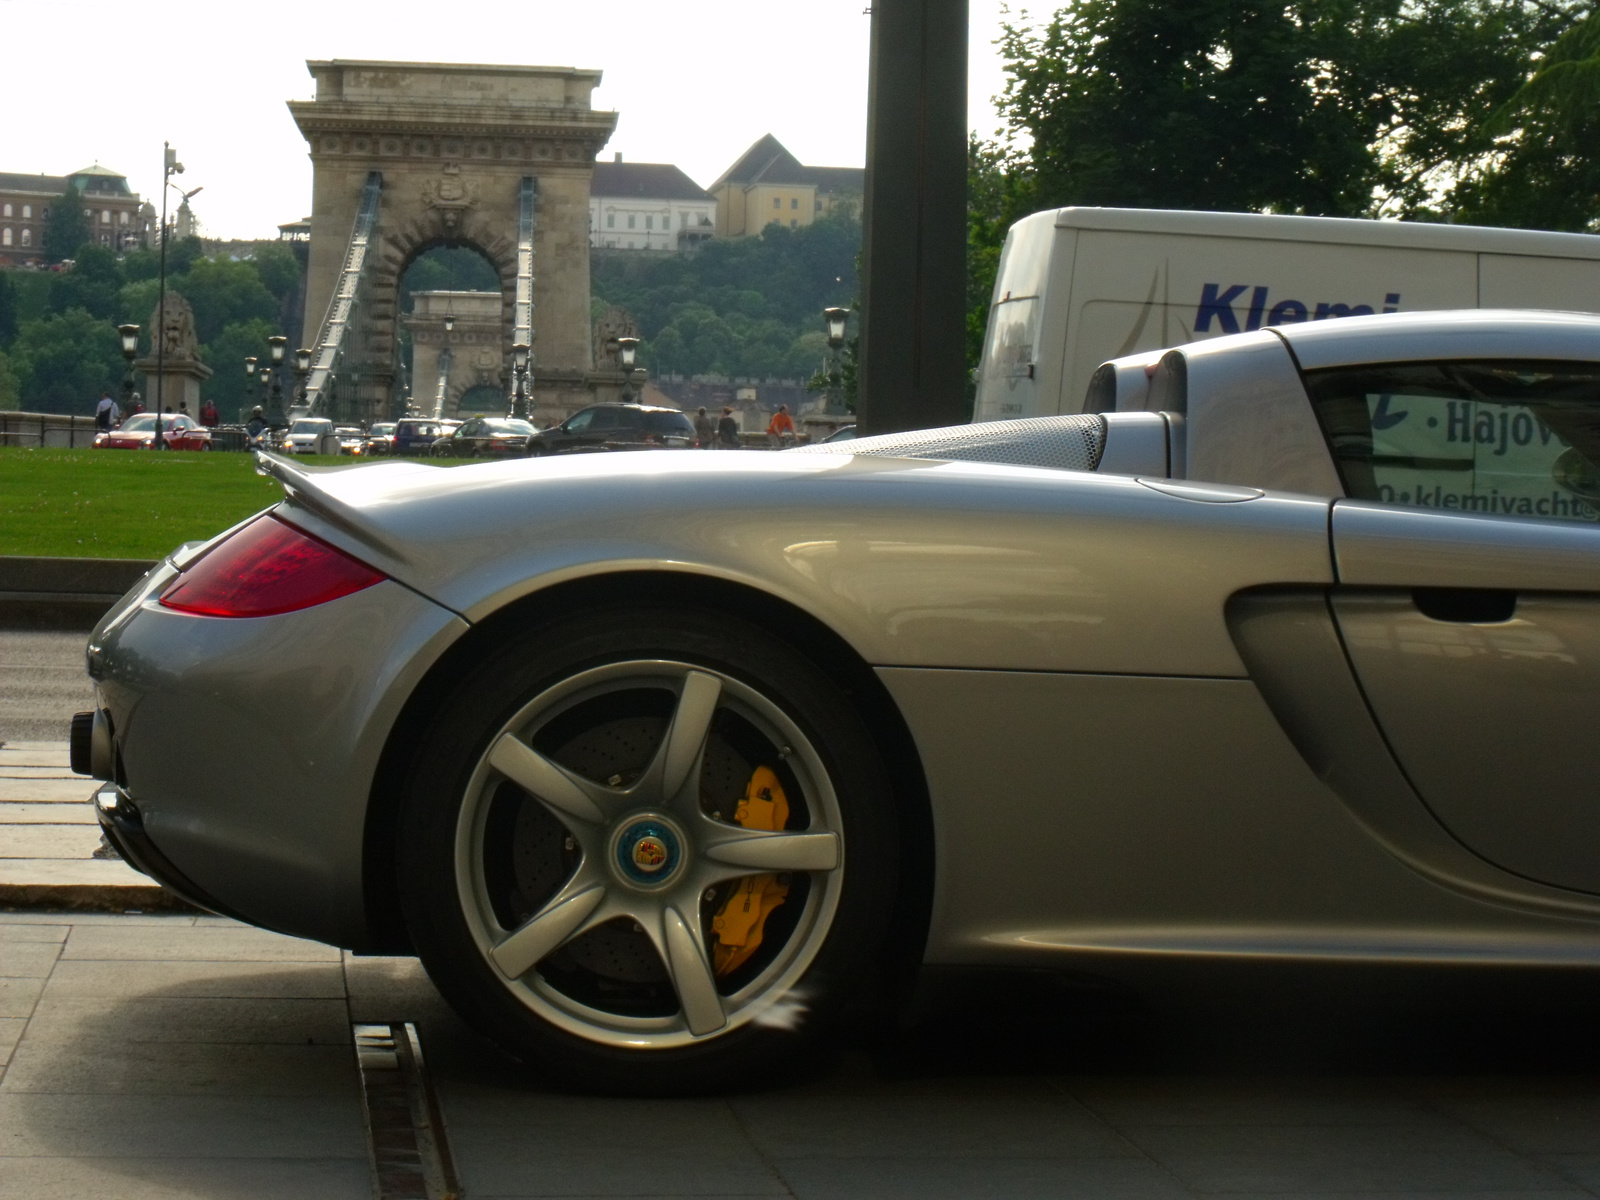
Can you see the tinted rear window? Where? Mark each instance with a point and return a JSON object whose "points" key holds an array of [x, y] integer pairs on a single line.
{"points": [[674, 423]]}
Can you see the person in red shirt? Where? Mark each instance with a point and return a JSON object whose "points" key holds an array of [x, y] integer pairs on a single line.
{"points": [[782, 426], [208, 415]]}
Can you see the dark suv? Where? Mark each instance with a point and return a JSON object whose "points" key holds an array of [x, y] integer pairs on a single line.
{"points": [[618, 427], [416, 435]]}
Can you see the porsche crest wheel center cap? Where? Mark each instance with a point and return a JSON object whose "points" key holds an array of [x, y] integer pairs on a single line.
{"points": [[648, 851]]}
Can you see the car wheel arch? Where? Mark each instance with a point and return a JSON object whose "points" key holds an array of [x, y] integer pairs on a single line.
{"points": [[890, 732]]}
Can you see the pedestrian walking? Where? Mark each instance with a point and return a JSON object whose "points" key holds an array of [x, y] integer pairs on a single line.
{"points": [[780, 430], [208, 414], [135, 405], [183, 408], [105, 413], [705, 432], [727, 431]]}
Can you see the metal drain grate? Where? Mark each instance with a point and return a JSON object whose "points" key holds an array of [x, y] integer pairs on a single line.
{"points": [[406, 1138]]}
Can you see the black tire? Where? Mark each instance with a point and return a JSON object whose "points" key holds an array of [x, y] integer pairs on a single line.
{"points": [[838, 967]]}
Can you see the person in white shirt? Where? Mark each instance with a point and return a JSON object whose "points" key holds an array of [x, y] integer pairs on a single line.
{"points": [[106, 413]]}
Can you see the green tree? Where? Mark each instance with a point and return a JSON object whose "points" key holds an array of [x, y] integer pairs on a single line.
{"points": [[278, 269], [738, 306], [9, 319], [182, 254], [10, 386], [92, 284], [67, 227], [136, 303], [228, 388], [1538, 161], [64, 361], [223, 292], [140, 264]]}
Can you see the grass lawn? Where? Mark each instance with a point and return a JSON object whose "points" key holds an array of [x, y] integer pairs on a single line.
{"points": [[124, 503]]}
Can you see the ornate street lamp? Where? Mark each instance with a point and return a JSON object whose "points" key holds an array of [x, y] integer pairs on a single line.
{"points": [[302, 370], [130, 351], [275, 350], [836, 319], [519, 368], [627, 351]]}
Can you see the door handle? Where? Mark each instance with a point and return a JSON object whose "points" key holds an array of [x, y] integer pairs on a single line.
{"points": [[1466, 606]]}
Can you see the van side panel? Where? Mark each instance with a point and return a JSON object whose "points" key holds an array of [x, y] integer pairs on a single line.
{"points": [[1517, 281], [1145, 291], [1056, 331]]}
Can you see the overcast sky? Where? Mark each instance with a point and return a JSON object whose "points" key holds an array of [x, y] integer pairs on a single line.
{"points": [[694, 83]]}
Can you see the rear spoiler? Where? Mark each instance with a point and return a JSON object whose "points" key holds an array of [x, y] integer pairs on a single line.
{"points": [[304, 491]]}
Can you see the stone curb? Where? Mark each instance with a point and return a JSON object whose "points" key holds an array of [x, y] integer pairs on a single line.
{"points": [[90, 897], [63, 593]]}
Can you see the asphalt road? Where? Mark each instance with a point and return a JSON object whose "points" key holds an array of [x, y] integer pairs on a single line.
{"points": [[42, 683]]}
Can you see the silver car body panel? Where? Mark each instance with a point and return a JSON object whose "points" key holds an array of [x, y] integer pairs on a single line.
{"points": [[1432, 336], [913, 563], [258, 793], [1223, 843]]}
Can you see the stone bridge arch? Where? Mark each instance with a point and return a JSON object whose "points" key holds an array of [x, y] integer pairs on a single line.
{"points": [[453, 144]]}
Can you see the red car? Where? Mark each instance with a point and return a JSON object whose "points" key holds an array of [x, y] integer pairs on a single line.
{"points": [[178, 432]]}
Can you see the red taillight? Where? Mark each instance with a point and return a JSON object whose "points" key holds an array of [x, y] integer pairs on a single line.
{"points": [[268, 567]]}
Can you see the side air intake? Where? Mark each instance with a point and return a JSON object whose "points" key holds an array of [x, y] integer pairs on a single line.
{"points": [[1072, 443]]}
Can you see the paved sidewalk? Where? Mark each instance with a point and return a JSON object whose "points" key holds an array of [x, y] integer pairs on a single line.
{"points": [[161, 1056], [50, 845]]}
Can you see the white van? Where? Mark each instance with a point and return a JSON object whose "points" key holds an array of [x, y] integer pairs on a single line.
{"points": [[1080, 286]]}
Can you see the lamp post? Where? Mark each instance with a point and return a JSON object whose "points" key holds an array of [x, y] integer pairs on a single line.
{"points": [[519, 368], [836, 319], [627, 351], [170, 166], [130, 351], [275, 350], [302, 371]]}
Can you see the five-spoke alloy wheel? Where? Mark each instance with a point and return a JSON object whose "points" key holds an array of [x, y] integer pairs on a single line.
{"points": [[660, 870]]}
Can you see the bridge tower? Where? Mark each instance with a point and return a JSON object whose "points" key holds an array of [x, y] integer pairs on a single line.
{"points": [[455, 155]]}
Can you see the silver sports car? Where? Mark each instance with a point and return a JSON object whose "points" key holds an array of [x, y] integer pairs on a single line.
{"points": [[1287, 648]]}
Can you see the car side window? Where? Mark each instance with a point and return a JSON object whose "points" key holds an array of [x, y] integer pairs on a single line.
{"points": [[608, 418], [580, 422], [1507, 437]]}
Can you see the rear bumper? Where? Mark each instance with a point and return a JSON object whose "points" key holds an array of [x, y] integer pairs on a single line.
{"points": [[248, 747], [123, 825]]}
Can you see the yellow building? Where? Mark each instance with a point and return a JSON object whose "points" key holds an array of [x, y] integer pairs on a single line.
{"points": [[769, 184]]}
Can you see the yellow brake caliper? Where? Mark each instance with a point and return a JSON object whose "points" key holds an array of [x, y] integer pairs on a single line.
{"points": [[743, 915]]}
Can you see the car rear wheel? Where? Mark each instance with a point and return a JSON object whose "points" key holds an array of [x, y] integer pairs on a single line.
{"points": [[649, 851]]}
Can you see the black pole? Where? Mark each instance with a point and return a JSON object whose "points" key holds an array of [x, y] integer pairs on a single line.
{"points": [[161, 305], [912, 372]]}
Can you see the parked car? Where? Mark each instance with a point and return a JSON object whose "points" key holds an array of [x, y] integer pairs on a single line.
{"points": [[845, 433], [138, 432], [380, 438], [306, 434], [487, 437], [416, 435], [665, 768], [619, 426]]}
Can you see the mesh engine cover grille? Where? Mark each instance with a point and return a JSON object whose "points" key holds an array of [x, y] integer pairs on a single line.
{"points": [[1060, 443]]}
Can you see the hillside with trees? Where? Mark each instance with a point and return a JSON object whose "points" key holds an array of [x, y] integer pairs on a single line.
{"points": [[58, 339], [740, 307]]}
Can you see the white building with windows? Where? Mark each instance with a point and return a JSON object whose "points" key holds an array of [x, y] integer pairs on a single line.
{"points": [[648, 206]]}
